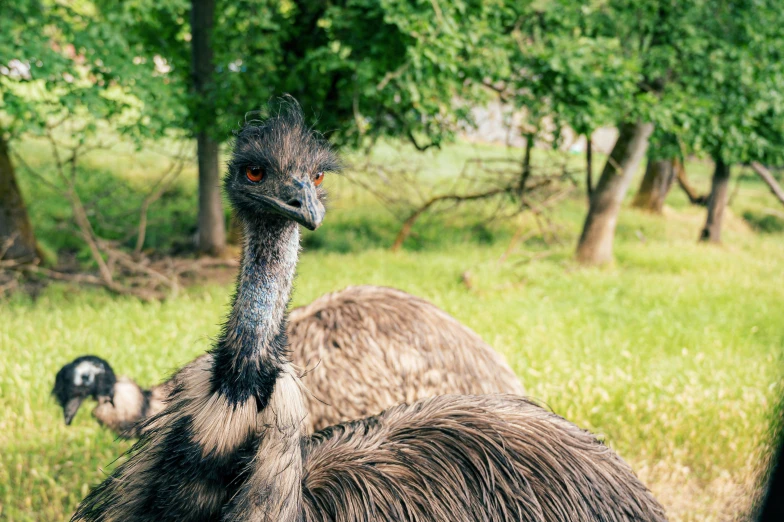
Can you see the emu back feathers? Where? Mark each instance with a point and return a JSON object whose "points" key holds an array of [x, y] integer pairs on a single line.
{"points": [[466, 458], [372, 347]]}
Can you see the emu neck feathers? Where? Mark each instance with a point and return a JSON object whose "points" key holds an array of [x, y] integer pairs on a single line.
{"points": [[263, 291], [251, 350]]}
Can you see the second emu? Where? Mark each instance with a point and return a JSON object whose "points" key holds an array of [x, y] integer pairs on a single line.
{"points": [[229, 444]]}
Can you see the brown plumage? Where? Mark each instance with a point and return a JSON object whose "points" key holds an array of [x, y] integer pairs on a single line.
{"points": [[465, 458], [362, 350], [229, 445]]}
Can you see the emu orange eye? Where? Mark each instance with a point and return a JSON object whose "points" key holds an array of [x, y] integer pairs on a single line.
{"points": [[254, 174], [318, 179]]}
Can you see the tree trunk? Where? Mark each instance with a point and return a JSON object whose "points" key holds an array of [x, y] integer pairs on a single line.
{"points": [[596, 241], [716, 203], [656, 184], [17, 240], [212, 226], [589, 165], [526, 170]]}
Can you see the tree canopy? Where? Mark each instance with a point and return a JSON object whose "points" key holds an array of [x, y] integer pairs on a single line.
{"points": [[76, 64]]}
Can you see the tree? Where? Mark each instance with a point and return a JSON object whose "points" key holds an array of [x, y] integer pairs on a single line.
{"points": [[649, 33], [74, 66], [716, 202], [737, 111], [365, 69], [656, 184], [710, 74], [212, 227], [596, 241], [591, 64], [661, 171], [17, 240], [370, 68]]}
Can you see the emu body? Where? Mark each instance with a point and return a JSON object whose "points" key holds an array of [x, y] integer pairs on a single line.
{"points": [[229, 444], [361, 350]]}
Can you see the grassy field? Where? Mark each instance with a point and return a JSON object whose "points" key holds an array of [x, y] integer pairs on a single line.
{"points": [[675, 355]]}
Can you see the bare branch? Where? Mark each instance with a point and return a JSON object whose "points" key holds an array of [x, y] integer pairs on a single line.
{"points": [[158, 190], [419, 147], [20, 161], [6, 246], [405, 230], [392, 75], [691, 192], [768, 178]]}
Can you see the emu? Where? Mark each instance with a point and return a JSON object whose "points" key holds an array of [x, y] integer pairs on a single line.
{"points": [[364, 349], [229, 443]]}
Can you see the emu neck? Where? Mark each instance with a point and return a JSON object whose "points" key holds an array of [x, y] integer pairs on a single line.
{"points": [[250, 361], [251, 351]]}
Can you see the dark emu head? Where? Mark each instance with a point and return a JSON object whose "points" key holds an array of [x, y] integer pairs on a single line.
{"points": [[277, 168], [86, 376]]}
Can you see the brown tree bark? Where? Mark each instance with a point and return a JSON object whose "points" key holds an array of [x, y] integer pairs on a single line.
{"points": [[717, 202], [655, 185], [596, 241], [525, 173], [589, 166], [17, 240], [212, 226], [769, 180]]}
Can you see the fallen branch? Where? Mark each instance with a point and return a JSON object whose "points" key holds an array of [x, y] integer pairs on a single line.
{"points": [[768, 178], [89, 279]]}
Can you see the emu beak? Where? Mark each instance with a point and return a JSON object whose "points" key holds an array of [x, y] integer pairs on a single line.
{"points": [[299, 202], [70, 409]]}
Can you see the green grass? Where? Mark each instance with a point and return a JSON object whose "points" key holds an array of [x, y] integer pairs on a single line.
{"points": [[675, 355]]}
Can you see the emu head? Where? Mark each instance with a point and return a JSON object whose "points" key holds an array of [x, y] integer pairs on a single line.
{"points": [[86, 376], [277, 168]]}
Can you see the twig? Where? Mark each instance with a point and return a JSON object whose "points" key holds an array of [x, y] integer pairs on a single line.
{"points": [[503, 93], [392, 75], [6, 246], [516, 240], [420, 148], [160, 187]]}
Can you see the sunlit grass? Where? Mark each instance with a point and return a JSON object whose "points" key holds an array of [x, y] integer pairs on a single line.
{"points": [[675, 355]]}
